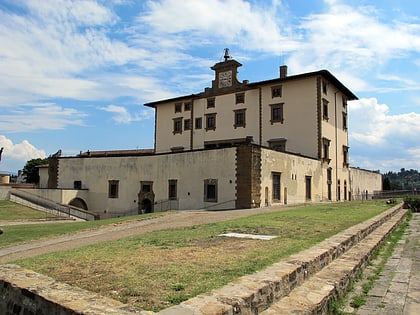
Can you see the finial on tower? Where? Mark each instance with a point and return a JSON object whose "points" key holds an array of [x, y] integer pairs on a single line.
{"points": [[227, 56]]}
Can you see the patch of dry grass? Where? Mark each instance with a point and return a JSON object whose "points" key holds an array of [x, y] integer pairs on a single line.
{"points": [[163, 268]]}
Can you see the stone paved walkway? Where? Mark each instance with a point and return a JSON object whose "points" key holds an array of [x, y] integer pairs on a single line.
{"points": [[397, 291]]}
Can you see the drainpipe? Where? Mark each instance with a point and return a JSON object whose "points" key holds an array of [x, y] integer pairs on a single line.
{"points": [[260, 118]]}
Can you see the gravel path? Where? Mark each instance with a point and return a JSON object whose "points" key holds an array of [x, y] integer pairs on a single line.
{"points": [[122, 230]]}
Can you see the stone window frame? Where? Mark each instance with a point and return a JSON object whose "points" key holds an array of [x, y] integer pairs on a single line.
{"points": [[177, 125], [276, 91], [178, 107], [144, 184], [240, 98], [326, 149], [325, 87], [325, 109], [238, 122], [187, 106], [187, 124], [278, 144], [277, 117], [211, 121], [211, 102], [345, 156], [198, 123], [210, 190], [345, 121], [344, 101], [113, 188], [172, 189]]}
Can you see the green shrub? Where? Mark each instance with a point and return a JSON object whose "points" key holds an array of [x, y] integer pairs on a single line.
{"points": [[412, 202]]}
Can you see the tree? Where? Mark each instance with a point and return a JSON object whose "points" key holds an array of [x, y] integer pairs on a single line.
{"points": [[30, 170], [386, 185]]}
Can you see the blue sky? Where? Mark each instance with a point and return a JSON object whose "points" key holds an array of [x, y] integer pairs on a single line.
{"points": [[74, 75]]}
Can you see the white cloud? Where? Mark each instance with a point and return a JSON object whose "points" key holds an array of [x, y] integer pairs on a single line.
{"points": [[232, 21], [372, 124], [123, 116], [381, 139], [39, 116], [23, 151], [353, 38]]}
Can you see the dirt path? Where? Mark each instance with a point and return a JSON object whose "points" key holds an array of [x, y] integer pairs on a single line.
{"points": [[122, 230]]}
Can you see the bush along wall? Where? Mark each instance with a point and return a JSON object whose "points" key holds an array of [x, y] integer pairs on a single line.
{"points": [[412, 202]]}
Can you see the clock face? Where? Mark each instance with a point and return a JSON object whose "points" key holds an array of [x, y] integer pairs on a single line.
{"points": [[225, 79]]}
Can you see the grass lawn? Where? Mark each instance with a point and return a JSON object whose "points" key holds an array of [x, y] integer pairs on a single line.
{"points": [[13, 211], [14, 234], [163, 268]]}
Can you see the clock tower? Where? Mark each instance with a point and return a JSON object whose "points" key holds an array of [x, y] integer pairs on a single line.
{"points": [[226, 73]]}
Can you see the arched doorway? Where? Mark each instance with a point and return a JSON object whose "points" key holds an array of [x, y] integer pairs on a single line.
{"points": [[146, 206], [79, 203]]}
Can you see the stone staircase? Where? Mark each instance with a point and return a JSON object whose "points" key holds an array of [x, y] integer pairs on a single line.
{"points": [[304, 283]]}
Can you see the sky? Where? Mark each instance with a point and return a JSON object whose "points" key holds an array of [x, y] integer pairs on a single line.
{"points": [[74, 75]]}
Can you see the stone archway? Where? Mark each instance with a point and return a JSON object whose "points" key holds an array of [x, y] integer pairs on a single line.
{"points": [[78, 203]]}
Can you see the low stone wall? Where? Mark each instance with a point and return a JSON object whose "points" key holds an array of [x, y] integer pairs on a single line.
{"points": [[24, 292]]}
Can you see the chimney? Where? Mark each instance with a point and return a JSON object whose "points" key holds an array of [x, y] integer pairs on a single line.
{"points": [[283, 71]]}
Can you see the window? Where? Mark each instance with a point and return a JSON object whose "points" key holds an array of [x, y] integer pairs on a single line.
{"points": [[326, 149], [187, 106], [344, 102], [210, 190], [325, 87], [187, 124], [276, 91], [325, 109], [146, 187], [345, 121], [172, 189], [77, 184], [239, 118], [198, 123], [345, 156], [308, 180], [278, 144], [178, 107], [329, 183], [113, 188], [177, 125], [277, 113], [211, 102], [240, 98], [210, 121], [276, 186]]}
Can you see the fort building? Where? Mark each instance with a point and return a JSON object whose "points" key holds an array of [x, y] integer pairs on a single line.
{"points": [[236, 144]]}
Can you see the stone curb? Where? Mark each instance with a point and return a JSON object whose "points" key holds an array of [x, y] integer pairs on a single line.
{"points": [[313, 296]]}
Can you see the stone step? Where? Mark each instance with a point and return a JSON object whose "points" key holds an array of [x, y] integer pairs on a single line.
{"points": [[265, 290], [314, 295]]}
